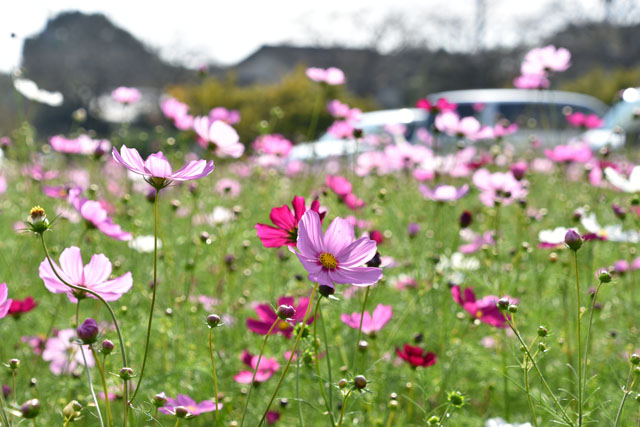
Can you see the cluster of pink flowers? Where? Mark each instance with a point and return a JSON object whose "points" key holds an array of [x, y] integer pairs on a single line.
{"points": [[451, 124], [343, 188], [268, 366], [178, 112], [576, 153], [498, 187], [219, 136], [82, 144], [584, 121], [346, 117], [96, 215], [273, 145], [539, 63], [230, 117], [438, 107]]}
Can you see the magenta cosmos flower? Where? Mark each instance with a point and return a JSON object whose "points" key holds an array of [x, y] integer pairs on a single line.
{"points": [[444, 193], [371, 323], [267, 316], [126, 95], [19, 307], [285, 232], [336, 256], [440, 106], [5, 302], [416, 356], [96, 216], [268, 367], [93, 276], [486, 309], [185, 401], [63, 352], [585, 121], [578, 153], [156, 168]]}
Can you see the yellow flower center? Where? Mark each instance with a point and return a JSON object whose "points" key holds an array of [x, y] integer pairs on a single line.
{"points": [[479, 314], [328, 261], [283, 326], [36, 213]]}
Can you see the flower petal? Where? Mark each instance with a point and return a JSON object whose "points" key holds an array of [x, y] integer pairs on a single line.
{"points": [[310, 241], [158, 166], [130, 159], [338, 236], [357, 253], [71, 264], [359, 276]]}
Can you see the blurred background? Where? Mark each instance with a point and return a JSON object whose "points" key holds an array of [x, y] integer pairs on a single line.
{"points": [[251, 56]]}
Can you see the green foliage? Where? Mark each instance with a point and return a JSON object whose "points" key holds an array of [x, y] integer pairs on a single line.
{"points": [[295, 96], [604, 84]]}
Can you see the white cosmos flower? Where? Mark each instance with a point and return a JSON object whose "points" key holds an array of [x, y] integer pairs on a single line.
{"points": [[30, 90], [553, 237], [143, 244], [613, 233], [499, 422], [630, 185]]}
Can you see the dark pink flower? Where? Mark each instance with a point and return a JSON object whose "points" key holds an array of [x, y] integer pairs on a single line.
{"points": [[268, 367], [486, 309], [440, 106], [285, 232], [20, 307], [584, 121], [267, 316], [272, 417], [416, 356], [93, 276], [335, 256], [194, 408], [371, 323]]}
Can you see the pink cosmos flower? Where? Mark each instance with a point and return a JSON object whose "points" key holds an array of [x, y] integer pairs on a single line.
{"points": [[156, 168], [584, 121], [440, 106], [341, 129], [178, 112], [339, 184], [268, 367], [228, 187], [220, 135], [37, 172], [403, 155], [531, 81], [444, 193], [540, 61], [5, 302], [578, 153], [92, 276], [353, 202], [96, 216], [267, 316], [83, 144], [331, 76], [194, 408], [274, 144], [451, 124], [518, 170], [486, 309], [336, 256], [342, 111], [63, 352], [19, 307], [230, 117], [371, 323], [126, 95], [498, 187], [285, 232]]}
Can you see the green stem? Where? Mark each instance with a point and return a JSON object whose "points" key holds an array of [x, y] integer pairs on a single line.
{"points": [[15, 390], [627, 392], [411, 391], [505, 378], [535, 366], [255, 370], [364, 304], [326, 351], [526, 386], [87, 370], [293, 352], [344, 405], [153, 295], [104, 385], [314, 117], [106, 304], [586, 345], [298, 400], [215, 377], [5, 420], [575, 253], [315, 348]]}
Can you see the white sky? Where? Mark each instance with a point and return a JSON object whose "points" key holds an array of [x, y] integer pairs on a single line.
{"points": [[192, 32]]}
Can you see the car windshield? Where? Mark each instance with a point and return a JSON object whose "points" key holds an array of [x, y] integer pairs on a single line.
{"points": [[622, 115]]}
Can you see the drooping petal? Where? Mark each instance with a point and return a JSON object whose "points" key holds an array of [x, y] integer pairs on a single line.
{"points": [[193, 170], [283, 218], [130, 159], [113, 289], [359, 276], [272, 237]]}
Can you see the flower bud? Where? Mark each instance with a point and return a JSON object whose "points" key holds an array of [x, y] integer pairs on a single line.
{"points": [[413, 229], [30, 408], [512, 308], [542, 331], [326, 290], [38, 221], [14, 364], [456, 398], [503, 303], [213, 320], [107, 347], [619, 211], [88, 331], [363, 346], [342, 383], [466, 218], [284, 402], [159, 399], [71, 410], [573, 240], [181, 411], [360, 382], [603, 275], [433, 421], [376, 261], [126, 373], [636, 370], [6, 390], [542, 347], [634, 359], [286, 312]]}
